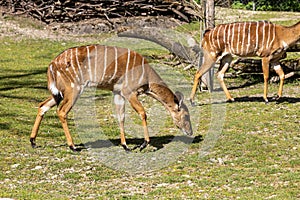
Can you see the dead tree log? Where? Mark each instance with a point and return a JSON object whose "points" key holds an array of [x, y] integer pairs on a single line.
{"points": [[73, 11], [167, 38]]}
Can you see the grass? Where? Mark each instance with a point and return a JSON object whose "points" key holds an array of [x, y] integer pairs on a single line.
{"points": [[254, 153]]}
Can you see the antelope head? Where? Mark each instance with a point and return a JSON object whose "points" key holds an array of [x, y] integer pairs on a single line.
{"points": [[181, 116]]}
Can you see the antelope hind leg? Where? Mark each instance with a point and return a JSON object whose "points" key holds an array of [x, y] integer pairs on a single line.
{"points": [[43, 108], [120, 109]]}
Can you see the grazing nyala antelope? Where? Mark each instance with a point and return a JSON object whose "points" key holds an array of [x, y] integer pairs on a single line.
{"points": [[124, 72], [246, 39]]}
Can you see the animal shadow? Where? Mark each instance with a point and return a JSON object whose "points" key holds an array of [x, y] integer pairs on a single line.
{"points": [[157, 141]]}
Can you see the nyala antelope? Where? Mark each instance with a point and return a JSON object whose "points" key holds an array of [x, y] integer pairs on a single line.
{"points": [[246, 39], [124, 72]]}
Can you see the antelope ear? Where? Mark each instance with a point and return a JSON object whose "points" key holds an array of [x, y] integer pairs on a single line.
{"points": [[179, 98]]}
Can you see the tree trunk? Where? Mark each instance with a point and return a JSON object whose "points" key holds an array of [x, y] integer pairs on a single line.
{"points": [[207, 80]]}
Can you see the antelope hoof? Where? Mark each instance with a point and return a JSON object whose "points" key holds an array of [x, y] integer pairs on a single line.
{"points": [[127, 149], [230, 100], [266, 101], [33, 144], [276, 98], [73, 148], [192, 103], [144, 145]]}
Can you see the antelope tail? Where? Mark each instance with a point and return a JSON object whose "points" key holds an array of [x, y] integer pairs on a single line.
{"points": [[57, 95]]}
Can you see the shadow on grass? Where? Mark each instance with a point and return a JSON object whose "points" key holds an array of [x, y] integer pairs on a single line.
{"points": [[260, 99], [157, 141]]}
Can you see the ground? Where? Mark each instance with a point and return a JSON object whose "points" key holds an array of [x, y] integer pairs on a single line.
{"points": [[241, 150]]}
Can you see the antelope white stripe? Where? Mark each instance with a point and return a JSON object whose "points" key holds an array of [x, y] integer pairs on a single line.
{"points": [[66, 57], [72, 65], [116, 65], [105, 63], [274, 32], [232, 38], [269, 35], [256, 42], [133, 69], [212, 38], [263, 36], [96, 63], [228, 39], [78, 65], [143, 72], [89, 63], [249, 38], [127, 65], [224, 35], [243, 40], [218, 36], [238, 38]]}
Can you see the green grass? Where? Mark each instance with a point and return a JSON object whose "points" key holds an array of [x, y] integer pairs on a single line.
{"points": [[256, 155]]}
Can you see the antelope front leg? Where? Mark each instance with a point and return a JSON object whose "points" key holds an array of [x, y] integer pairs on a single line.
{"points": [[225, 63], [208, 62], [194, 88], [120, 108], [280, 73], [138, 107], [265, 68]]}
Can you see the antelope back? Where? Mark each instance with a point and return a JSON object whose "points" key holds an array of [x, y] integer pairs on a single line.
{"points": [[241, 38], [105, 67]]}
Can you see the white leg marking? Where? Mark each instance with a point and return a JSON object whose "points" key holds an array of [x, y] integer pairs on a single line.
{"points": [[220, 76], [119, 101], [285, 45], [44, 109], [277, 67]]}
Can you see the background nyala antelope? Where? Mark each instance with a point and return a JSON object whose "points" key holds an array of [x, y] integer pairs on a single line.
{"points": [[246, 39], [126, 73]]}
